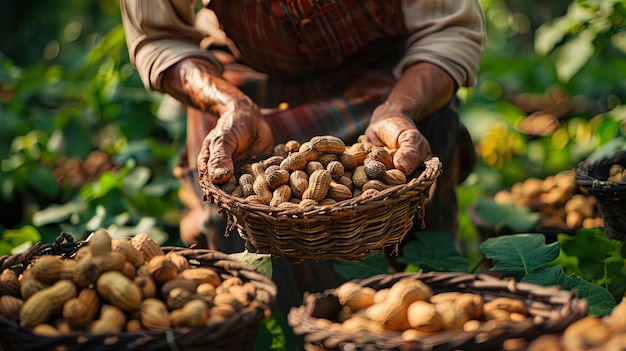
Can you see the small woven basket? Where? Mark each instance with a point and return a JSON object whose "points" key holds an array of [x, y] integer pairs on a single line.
{"points": [[348, 230], [552, 310], [239, 332], [610, 196]]}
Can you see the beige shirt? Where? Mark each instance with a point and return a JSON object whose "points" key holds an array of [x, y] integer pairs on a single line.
{"points": [[160, 33]]}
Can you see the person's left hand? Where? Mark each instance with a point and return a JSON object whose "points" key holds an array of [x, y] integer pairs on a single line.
{"points": [[390, 127]]}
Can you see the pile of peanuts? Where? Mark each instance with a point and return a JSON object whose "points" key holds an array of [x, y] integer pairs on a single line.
{"points": [[411, 308], [119, 285], [617, 174], [606, 333], [557, 198], [321, 171]]}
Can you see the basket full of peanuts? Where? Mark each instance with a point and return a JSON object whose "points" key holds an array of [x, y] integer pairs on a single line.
{"points": [[323, 200], [605, 181], [129, 294], [433, 311]]}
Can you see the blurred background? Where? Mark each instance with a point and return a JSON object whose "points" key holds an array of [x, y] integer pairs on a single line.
{"points": [[81, 146]]}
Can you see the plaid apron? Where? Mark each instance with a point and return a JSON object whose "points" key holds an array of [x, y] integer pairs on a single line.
{"points": [[331, 61]]}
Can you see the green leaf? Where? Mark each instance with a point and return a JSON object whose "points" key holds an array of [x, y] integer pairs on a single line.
{"points": [[57, 213], [592, 247], [572, 56], [137, 179], [506, 218], [601, 302], [26, 234], [365, 268], [262, 262], [519, 254], [551, 33], [276, 334], [101, 187], [43, 182], [434, 251]]}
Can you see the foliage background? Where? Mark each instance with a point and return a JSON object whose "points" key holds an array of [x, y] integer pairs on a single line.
{"points": [[84, 146]]}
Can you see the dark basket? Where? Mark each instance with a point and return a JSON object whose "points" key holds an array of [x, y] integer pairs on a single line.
{"points": [[552, 310], [237, 333], [348, 230], [610, 196]]}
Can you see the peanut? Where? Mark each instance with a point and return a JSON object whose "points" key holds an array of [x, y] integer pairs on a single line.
{"points": [[120, 291], [280, 194], [328, 144], [154, 314], [149, 248], [111, 321], [10, 307], [50, 269], [298, 182], [202, 275], [41, 305], [9, 283], [82, 309], [319, 182]]}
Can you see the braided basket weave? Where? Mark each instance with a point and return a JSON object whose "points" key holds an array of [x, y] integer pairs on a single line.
{"points": [[348, 230], [239, 332], [610, 196], [552, 310]]}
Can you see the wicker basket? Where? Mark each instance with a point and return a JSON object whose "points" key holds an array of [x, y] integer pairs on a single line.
{"points": [[237, 333], [610, 196], [348, 230], [553, 310]]}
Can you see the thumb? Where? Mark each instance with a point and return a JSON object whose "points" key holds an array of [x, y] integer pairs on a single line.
{"points": [[413, 149], [215, 158]]}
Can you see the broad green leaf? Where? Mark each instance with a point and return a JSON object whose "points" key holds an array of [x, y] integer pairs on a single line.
{"points": [[262, 262], [276, 334], [572, 56], [365, 268], [56, 213], [7, 188], [43, 182], [519, 254], [505, 218], [589, 243], [617, 285], [101, 187], [137, 179], [551, 33], [5, 248], [25, 234], [434, 251], [600, 300]]}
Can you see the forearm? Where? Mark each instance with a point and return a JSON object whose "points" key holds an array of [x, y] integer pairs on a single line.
{"points": [[196, 82], [422, 89], [159, 34]]}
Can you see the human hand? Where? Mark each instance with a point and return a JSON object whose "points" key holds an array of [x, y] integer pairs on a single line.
{"points": [[241, 131], [389, 126]]}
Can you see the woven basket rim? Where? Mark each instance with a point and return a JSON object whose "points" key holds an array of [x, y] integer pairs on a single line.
{"points": [[588, 175], [432, 169], [238, 327], [566, 308]]}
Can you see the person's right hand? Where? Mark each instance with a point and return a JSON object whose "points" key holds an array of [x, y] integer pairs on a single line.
{"points": [[241, 131]]}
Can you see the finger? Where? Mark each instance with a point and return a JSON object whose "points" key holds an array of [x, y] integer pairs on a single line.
{"points": [[220, 165], [413, 149]]}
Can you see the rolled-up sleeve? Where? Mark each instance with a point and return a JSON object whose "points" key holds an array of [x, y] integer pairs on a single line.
{"points": [[159, 34], [446, 33]]}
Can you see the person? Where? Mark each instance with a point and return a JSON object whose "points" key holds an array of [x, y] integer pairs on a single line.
{"points": [[255, 73]]}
